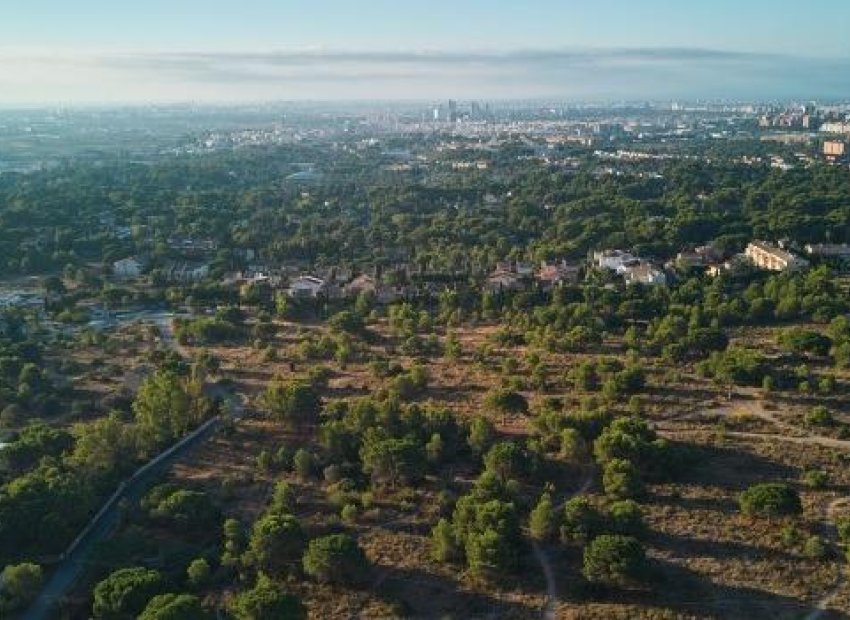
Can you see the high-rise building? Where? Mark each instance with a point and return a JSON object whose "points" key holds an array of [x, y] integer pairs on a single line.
{"points": [[452, 111]]}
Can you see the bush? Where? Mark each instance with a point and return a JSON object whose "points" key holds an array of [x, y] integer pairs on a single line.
{"points": [[614, 560], [819, 416], [336, 558], [815, 548], [126, 592], [174, 607], [816, 478], [770, 500]]}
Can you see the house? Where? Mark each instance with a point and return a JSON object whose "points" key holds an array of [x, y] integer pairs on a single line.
{"points": [[128, 268], [768, 256], [502, 281], [306, 286], [702, 256], [646, 274], [186, 272], [551, 275], [614, 260]]}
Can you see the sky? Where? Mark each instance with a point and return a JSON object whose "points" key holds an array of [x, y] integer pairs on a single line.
{"points": [[101, 51]]}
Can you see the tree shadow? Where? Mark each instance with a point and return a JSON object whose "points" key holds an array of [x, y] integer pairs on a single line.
{"points": [[696, 547], [731, 469], [420, 594], [691, 594]]}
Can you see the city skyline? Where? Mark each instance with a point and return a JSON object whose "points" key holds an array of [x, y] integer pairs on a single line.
{"points": [[94, 51]]}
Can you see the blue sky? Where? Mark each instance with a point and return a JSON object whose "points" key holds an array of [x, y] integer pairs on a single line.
{"points": [[278, 49]]}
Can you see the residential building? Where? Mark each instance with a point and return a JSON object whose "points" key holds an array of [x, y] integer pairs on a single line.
{"points": [[186, 273], [614, 260], [306, 286], [768, 256], [553, 274], [128, 268], [646, 274]]}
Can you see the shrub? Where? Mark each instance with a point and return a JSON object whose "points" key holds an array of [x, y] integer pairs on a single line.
{"points": [[770, 500], [614, 560], [815, 548], [336, 558], [819, 416], [816, 478]]}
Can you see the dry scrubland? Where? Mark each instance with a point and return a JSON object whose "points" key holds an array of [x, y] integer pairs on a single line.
{"points": [[708, 559]]}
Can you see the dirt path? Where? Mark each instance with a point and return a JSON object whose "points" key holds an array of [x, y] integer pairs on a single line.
{"points": [[822, 606], [543, 559]]}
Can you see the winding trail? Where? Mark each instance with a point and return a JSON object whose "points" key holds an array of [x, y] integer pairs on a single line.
{"points": [[756, 408], [822, 606], [543, 559]]}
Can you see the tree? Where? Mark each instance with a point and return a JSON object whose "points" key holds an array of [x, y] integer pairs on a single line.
{"points": [[625, 438], [581, 520], [304, 463], [506, 460], [21, 584], [265, 601], [234, 543], [183, 509], [198, 573], [293, 403], [621, 479], [542, 521], [506, 402], [277, 542], [125, 592], [614, 560], [162, 409], [772, 499], [392, 461], [336, 558], [626, 518], [174, 607], [103, 445], [443, 542], [481, 434]]}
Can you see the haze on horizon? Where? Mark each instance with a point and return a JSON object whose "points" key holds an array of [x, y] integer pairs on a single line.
{"points": [[95, 51]]}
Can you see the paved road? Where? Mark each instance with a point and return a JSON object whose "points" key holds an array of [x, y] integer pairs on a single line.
{"points": [[72, 566]]}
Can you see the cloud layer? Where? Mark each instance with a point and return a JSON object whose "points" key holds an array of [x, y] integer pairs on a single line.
{"points": [[59, 76]]}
